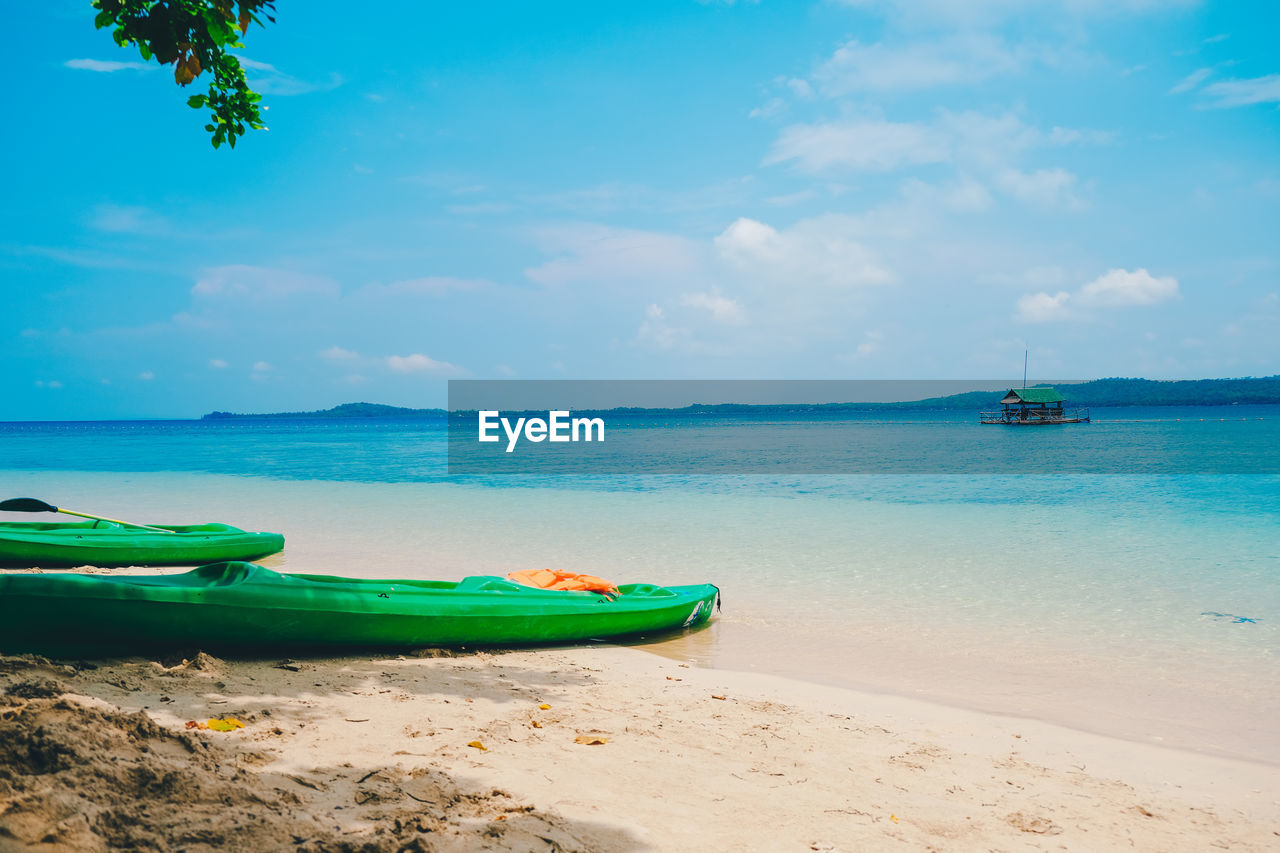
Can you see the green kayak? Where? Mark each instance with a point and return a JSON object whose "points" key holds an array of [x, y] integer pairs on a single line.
{"points": [[55, 545], [238, 606]]}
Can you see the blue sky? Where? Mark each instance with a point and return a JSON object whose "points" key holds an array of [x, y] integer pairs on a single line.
{"points": [[860, 189]]}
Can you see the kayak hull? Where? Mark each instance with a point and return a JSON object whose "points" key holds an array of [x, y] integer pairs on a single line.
{"points": [[241, 607], [63, 545]]}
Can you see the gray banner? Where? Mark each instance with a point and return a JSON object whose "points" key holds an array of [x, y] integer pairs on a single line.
{"points": [[840, 427]]}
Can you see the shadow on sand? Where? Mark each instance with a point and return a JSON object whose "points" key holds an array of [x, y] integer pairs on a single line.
{"points": [[82, 775]]}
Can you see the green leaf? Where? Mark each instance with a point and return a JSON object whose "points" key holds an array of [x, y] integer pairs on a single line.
{"points": [[221, 33], [195, 34]]}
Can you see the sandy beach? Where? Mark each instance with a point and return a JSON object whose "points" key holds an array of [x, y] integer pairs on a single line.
{"points": [[347, 320], [599, 748]]}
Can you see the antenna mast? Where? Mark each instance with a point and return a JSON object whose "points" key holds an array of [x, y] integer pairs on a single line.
{"points": [[1025, 353]]}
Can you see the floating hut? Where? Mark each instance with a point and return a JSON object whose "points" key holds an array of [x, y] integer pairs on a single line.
{"points": [[1034, 407]]}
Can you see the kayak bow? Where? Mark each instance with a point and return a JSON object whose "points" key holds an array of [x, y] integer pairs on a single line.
{"points": [[53, 545]]}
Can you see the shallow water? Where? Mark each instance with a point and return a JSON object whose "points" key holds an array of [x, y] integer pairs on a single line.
{"points": [[1110, 603]]}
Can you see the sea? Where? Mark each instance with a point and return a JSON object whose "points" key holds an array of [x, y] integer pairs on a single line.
{"points": [[1140, 601]]}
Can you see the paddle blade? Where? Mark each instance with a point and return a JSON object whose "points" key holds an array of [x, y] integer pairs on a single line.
{"points": [[26, 505]]}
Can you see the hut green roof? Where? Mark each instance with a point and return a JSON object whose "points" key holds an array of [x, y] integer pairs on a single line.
{"points": [[1034, 395]]}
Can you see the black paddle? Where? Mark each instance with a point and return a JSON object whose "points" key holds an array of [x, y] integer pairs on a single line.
{"points": [[33, 505]]}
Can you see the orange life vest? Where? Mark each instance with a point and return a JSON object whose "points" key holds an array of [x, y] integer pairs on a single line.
{"points": [[562, 580]]}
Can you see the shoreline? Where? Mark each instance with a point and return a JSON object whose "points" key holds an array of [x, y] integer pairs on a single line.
{"points": [[1123, 720], [355, 749], [1102, 650], [1102, 714]]}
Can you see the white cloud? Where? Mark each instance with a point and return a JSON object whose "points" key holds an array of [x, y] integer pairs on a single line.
{"points": [[1113, 289], [974, 14], [481, 208], [127, 220], [78, 257], [865, 145], [615, 196], [721, 308], [978, 140], [990, 142], [419, 363], [769, 109], [1192, 80], [987, 145], [870, 345], [1070, 136], [599, 253], [964, 194], [656, 331], [269, 80], [429, 285], [1043, 308], [106, 66], [240, 282], [261, 367], [218, 363], [964, 58], [821, 251], [790, 198], [1243, 93], [146, 376], [1043, 187], [798, 87], [51, 383], [1120, 287], [337, 353]]}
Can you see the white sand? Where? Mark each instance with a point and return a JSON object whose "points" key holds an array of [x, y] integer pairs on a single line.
{"points": [[694, 759]]}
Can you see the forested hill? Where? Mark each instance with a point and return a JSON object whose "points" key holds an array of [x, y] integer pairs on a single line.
{"points": [[1188, 392], [1142, 392], [346, 410]]}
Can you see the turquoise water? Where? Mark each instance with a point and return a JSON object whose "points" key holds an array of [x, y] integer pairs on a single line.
{"points": [[1107, 602]]}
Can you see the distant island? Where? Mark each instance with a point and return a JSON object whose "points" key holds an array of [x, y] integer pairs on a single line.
{"points": [[346, 410], [1131, 392], [1099, 393]]}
